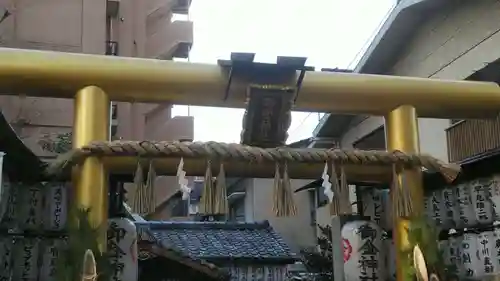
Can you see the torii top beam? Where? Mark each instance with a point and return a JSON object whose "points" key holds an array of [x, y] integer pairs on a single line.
{"points": [[55, 74]]}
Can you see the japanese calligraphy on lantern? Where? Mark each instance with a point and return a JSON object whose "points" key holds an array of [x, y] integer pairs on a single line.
{"points": [[367, 259], [122, 248], [52, 250], [467, 217], [455, 253], [56, 207], [486, 245], [435, 208], [373, 206], [31, 208], [481, 204], [449, 209], [470, 260], [26, 259], [493, 187], [9, 201]]}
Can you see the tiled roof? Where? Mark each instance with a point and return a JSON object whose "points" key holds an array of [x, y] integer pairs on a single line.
{"points": [[221, 240]]}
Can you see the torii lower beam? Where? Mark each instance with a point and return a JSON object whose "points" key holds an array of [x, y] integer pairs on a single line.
{"points": [[62, 75]]}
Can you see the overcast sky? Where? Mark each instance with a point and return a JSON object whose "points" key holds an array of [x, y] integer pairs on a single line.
{"points": [[331, 33]]}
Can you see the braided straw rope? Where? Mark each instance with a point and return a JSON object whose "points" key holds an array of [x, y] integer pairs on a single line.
{"points": [[237, 152]]}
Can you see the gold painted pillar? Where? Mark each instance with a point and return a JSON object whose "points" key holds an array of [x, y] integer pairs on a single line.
{"points": [[90, 179], [401, 126]]}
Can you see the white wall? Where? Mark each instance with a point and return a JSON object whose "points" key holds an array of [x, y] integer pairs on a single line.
{"points": [[297, 231], [432, 135]]}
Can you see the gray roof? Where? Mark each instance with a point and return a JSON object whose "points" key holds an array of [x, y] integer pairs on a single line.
{"points": [[220, 241], [384, 50]]}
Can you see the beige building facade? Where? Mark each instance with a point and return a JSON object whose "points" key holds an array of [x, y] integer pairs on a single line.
{"points": [[144, 29], [430, 39]]}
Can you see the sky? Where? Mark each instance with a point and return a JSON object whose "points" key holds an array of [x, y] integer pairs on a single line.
{"points": [[330, 33]]}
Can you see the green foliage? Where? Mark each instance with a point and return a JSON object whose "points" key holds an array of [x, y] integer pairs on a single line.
{"points": [[82, 236], [426, 236], [60, 143], [320, 262]]}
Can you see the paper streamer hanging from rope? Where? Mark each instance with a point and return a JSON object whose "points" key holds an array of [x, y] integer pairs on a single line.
{"points": [[182, 181], [327, 186]]}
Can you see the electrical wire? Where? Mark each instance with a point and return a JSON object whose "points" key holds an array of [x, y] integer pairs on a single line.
{"points": [[370, 39]]}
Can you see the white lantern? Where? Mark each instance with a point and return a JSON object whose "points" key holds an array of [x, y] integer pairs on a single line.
{"points": [[26, 259], [471, 264], [467, 217], [122, 248], [31, 208], [363, 251], [480, 203], [56, 207]]}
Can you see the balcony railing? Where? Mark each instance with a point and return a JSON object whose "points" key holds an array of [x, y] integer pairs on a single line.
{"points": [[468, 138]]}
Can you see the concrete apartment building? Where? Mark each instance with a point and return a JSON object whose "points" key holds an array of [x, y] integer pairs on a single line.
{"points": [[130, 28], [443, 39]]}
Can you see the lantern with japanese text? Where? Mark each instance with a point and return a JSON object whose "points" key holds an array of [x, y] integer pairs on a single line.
{"points": [[467, 217], [31, 208], [364, 253], [56, 207], [25, 266], [471, 264], [122, 247], [435, 208], [50, 254], [493, 187], [486, 245], [480, 203], [449, 209], [9, 201], [373, 206]]}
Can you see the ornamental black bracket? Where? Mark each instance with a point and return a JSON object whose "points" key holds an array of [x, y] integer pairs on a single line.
{"points": [[243, 65]]}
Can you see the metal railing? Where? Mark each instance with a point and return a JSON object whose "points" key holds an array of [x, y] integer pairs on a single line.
{"points": [[468, 138]]}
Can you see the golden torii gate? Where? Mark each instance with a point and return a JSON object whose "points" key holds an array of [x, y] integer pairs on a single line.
{"points": [[92, 81]]}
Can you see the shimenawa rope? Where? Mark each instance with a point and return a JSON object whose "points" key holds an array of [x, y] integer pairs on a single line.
{"points": [[223, 151]]}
